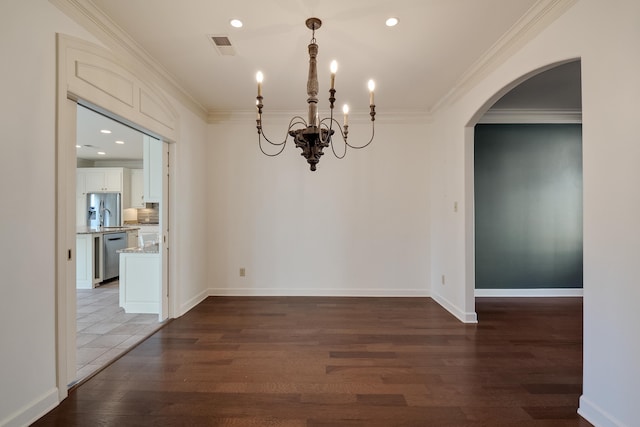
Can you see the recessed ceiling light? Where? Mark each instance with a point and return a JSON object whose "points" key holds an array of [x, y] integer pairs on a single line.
{"points": [[78, 146], [105, 131], [391, 22], [236, 23], [101, 153], [119, 142]]}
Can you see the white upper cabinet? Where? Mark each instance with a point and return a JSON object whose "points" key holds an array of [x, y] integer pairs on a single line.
{"points": [[137, 188], [102, 179], [96, 180], [152, 164]]}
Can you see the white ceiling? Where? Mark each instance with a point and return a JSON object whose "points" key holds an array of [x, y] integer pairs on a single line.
{"points": [[415, 64], [91, 140]]}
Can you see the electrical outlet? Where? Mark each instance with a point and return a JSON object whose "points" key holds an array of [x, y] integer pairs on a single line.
{"points": [[242, 272], [455, 206], [443, 280]]}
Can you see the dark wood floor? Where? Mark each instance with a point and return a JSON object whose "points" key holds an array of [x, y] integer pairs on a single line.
{"points": [[314, 362]]}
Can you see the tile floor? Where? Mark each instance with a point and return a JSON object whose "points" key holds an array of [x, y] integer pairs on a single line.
{"points": [[104, 330]]}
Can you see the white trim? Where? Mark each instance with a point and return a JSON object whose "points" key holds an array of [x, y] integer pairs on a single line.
{"points": [[104, 29], [541, 15], [33, 410], [534, 292], [464, 317], [596, 415], [502, 116], [187, 306], [99, 79], [147, 116], [316, 292]]}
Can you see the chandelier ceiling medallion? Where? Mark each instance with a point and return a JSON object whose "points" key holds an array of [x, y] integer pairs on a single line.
{"points": [[316, 134]]}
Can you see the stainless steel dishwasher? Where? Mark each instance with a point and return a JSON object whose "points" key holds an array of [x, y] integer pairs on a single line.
{"points": [[112, 243]]}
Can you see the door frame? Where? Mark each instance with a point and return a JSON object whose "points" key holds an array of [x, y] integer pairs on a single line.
{"points": [[91, 74]]}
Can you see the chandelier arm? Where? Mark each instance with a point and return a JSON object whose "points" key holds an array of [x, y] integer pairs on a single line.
{"points": [[294, 121], [329, 129], [338, 156], [343, 134], [330, 140], [373, 132], [283, 144]]}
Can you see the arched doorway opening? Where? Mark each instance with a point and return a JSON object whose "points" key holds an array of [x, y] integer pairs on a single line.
{"points": [[527, 109]]}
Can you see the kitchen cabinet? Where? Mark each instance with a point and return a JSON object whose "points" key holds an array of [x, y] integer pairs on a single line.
{"points": [[103, 179], [81, 211], [98, 180], [152, 166], [81, 198], [81, 190], [137, 188], [88, 260], [132, 238], [140, 282]]}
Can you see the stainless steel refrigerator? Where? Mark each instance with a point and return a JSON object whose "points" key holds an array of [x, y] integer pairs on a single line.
{"points": [[103, 210]]}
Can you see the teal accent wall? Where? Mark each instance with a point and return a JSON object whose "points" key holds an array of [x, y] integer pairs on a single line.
{"points": [[528, 206]]}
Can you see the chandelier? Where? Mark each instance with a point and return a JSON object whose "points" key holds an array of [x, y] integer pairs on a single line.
{"points": [[315, 133]]}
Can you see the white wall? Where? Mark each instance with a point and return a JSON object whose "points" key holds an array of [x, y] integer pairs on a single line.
{"points": [[27, 168], [604, 35], [188, 204], [356, 226]]}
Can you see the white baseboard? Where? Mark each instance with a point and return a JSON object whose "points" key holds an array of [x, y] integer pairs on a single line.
{"points": [[187, 306], [324, 292], [142, 307], [596, 415], [464, 317], [537, 292], [32, 411]]}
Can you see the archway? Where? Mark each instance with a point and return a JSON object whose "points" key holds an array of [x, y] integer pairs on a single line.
{"points": [[469, 180]]}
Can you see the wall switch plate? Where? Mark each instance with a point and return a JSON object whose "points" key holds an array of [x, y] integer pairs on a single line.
{"points": [[443, 280], [242, 272]]}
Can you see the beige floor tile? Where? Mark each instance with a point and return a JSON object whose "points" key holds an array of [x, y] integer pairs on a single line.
{"points": [[104, 330], [106, 341], [86, 355], [82, 339]]}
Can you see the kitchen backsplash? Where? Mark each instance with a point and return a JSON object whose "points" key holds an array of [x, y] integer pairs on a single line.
{"points": [[149, 215]]}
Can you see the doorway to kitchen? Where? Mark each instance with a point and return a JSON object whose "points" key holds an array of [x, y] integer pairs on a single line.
{"points": [[119, 199], [95, 77]]}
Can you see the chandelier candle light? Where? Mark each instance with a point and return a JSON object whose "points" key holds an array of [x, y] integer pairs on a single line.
{"points": [[315, 134]]}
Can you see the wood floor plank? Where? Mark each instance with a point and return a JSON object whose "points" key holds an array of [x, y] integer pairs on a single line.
{"points": [[322, 361]]}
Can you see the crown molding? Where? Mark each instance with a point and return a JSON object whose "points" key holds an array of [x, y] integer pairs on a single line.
{"points": [[86, 14], [537, 18], [504, 116], [283, 117]]}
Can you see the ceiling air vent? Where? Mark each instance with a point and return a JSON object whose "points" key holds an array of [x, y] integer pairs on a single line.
{"points": [[223, 45]]}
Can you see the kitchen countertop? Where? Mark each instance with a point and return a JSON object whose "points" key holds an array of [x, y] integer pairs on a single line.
{"points": [[149, 249], [104, 230]]}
